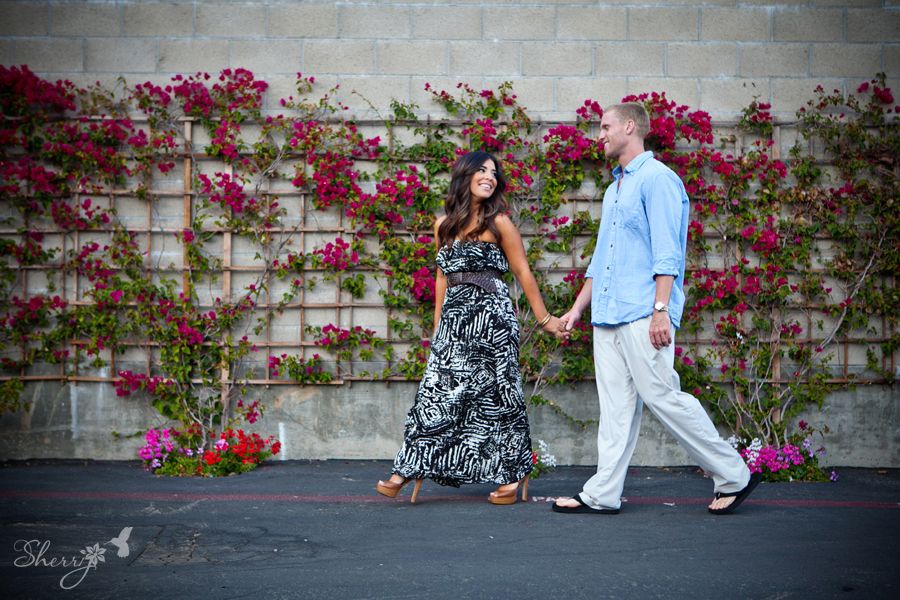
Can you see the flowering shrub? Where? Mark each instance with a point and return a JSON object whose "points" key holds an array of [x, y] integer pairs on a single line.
{"points": [[797, 459], [171, 452], [542, 460], [299, 370]]}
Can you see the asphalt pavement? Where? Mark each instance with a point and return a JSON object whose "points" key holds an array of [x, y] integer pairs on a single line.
{"points": [[317, 530]]}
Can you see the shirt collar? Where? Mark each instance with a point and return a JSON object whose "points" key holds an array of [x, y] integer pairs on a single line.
{"points": [[634, 165]]}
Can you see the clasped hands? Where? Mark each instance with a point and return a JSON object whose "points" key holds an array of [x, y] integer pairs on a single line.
{"points": [[557, 327]]}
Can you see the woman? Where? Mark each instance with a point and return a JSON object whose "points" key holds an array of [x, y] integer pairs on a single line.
{"points": [[468, 423]]}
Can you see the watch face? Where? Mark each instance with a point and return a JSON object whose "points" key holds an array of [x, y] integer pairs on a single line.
{"points": [[660, 307]]}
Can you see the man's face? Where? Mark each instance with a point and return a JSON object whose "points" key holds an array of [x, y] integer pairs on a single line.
{"points": [[612, 134]]}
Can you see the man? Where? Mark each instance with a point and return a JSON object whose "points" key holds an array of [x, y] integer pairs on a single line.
{"points": [[634, 288]]}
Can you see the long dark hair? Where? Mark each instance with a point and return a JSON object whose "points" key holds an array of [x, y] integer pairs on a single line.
{"points": [[458, 201]]}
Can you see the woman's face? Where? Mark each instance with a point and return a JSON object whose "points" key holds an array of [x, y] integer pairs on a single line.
{"points": [[484, 181]]}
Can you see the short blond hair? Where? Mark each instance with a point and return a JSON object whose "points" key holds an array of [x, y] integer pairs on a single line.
{"points": [[634, 112]]}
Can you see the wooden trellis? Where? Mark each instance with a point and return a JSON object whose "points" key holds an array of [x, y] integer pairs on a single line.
{"points": [[345, 311]]}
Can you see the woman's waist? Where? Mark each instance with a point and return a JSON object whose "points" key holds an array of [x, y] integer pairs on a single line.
{"points": [[487, 279]]}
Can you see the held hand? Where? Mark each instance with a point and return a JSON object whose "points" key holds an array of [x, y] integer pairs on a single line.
{"points": [[660, 330], [570, 318], [556, 327]]}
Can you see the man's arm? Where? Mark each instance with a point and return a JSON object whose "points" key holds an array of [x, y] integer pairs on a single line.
{"points": [[581, 302], [660, 323]]}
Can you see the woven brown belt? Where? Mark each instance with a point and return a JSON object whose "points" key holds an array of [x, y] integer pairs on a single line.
{"points": [[488, 279]]}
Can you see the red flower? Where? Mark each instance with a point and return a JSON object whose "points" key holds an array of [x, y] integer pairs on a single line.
{"points": [[211, 458]]}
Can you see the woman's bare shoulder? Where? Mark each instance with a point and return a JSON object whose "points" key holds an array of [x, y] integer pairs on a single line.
{"points": [[504, 223]]}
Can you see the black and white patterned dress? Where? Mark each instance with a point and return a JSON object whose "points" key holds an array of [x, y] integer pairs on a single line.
{"points": [[468, 423]]}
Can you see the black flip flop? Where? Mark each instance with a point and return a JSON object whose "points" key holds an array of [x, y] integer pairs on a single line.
{"points": [[739, 497], [583, 508]]}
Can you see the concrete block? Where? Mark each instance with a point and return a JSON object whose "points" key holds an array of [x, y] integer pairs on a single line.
{"points": [[58, 55], [446, 22], [85, 18], [630, 58], [571, 92], [775, 3], [700, 3], [357, 92], [663, 23], [873, 26], [7, 52], [893, 83], [284, 86], [230, 20], [166, 19], [683, 91], [849, 3], [781, 60], [485, 58], [704, 60], [734, 24], [303, 20], [189, 56], [557, 59], [338, 57], [269, 56], [424, 98], [412, 58], [519, 23], [120, 54], [892, 60], [591, 23], [809, 25], [788, 95], [845, 60], [373, 21], [726, 98], [534, 93], [24, 18]]}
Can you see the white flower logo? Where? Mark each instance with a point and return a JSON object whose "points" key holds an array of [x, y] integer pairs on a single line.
{"points": [[94, 554]]}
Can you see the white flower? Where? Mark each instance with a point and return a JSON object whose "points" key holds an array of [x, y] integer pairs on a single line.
{"points": [[544, 451], [94, 554]]}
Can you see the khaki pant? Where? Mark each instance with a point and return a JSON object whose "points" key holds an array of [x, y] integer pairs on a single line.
{"points": [[630, 373]]}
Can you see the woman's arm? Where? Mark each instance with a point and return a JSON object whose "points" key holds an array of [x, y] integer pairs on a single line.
{"points": [[512, 245], [440, 280]]}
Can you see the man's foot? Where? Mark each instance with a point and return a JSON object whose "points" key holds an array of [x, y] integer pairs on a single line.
{"points": [[577, 506], [721, 502], [726, 503], [567, 502]]}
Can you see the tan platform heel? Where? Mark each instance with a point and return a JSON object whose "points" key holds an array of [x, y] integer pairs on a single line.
{"points": [[392, 488], [510, 496]]}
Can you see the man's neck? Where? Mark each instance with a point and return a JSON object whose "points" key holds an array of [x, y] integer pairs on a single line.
{"points": [[630, 154]]}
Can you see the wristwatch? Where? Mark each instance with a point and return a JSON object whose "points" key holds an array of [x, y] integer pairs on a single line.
{"points": [[660, 307]]}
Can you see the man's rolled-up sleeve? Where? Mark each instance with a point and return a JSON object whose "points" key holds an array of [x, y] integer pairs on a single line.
{"points": [[665, 201]]}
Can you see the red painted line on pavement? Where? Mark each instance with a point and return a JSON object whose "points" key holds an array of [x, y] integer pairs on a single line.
{"points": [[423, 498]]}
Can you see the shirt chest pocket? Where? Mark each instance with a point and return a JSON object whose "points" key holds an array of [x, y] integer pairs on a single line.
{"points": [[634, 217]]}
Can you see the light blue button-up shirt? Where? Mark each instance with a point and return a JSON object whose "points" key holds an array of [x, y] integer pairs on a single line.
{"points": [[643, 233]]}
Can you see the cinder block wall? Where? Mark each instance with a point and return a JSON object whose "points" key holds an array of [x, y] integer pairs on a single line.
{"points": [[710, 54]]}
